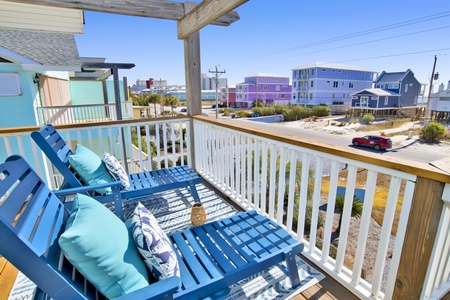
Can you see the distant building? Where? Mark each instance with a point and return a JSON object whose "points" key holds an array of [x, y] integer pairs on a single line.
{"points": [[439, 108], [228, 95], [272, 89], [207, 95], [394, 93], [329, 83], [209, 83]]}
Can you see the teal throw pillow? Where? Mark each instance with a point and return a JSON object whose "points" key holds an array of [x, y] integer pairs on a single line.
{"points": [[101, 247], [90, 167]]}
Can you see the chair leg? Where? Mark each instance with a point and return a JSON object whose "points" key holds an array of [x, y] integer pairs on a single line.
{"points": [[194, 192], [291, 264]]}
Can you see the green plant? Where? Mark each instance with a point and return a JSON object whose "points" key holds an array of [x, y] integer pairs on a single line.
{"points": [[258, 103], [383, 133], [357, 208], [368, 118], [308, 218], [433, 132], [333, 249]]}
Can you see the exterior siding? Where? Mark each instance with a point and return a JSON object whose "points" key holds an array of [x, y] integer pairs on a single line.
{"points": [[91, 92], [409, 96], [22, 107], [272, 90], [316, 85]]}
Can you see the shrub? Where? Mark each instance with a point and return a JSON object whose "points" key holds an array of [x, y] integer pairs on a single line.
{"points": [[308, 218], [333, 249], [433, 132], [178, 162], [368, 118], [321, 111]]}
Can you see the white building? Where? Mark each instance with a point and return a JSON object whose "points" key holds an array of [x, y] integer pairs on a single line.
{"points": [[209, 83]]}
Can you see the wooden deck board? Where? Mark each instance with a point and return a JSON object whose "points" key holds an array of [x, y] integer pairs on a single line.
{"points": [[8, 274]]}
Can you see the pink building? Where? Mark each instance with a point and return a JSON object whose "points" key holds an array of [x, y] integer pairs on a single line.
{"points": [[272, 89], [228, 95]]}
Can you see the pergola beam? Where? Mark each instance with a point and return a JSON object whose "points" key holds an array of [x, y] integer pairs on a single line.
{"points": [[206, 13], [158, 9]]}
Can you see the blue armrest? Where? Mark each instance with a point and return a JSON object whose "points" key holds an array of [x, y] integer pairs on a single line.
{"points": [[163, 290], [115, 195]]}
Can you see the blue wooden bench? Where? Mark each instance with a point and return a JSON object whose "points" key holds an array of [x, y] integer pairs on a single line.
{"points": [[211, 256], [141, 184]]}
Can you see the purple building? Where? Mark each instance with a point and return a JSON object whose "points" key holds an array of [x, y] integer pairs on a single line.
{"points": [[272, 89]]}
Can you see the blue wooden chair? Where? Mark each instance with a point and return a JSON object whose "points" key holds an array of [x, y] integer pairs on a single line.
{"points": [[211, 256], [141, 184]]}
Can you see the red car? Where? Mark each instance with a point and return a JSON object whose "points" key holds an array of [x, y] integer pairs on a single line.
{"points": [[377, 142]]}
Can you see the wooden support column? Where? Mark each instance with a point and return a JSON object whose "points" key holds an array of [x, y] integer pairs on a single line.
{"points": [[421, 232], [193, 78]]}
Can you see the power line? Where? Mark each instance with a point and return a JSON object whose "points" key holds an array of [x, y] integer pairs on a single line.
{"points": [[371, 41], [361, 33]]}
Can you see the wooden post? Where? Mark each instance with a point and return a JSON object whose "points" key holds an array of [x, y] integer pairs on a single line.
{"points": [[193, 77], [421, 231]]}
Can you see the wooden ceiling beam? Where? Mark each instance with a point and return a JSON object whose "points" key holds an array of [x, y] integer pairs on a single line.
{"points": [[207, 12], [158, 9]]}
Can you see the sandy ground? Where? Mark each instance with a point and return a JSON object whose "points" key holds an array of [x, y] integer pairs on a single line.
{"points": [[330, 125]]}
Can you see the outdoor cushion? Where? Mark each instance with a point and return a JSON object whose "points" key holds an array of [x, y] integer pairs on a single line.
{"points": [[90, 168], [101, 247], [153, 244], [116, 170]]}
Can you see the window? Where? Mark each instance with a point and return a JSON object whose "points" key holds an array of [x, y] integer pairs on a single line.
{"points": [[265, 88], [263, 96], [10, 84], [295, 84], [335, 84], [393, 86], [312, 83], [350, 85], [364, 101], [283, 96], [406, 88], [386, 100], [345, 73], [324, 70], [360, 74], [310, 96], [312, 72], [334, 71], [277, 88], [333, 96], [342, 83]]}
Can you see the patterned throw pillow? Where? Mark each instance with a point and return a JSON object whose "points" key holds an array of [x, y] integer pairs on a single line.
{"points": [[153, 244], [116, 170]]}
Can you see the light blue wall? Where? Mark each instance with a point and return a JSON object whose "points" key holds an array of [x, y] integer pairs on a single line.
{"points": [[91, 92], [17, 111]]}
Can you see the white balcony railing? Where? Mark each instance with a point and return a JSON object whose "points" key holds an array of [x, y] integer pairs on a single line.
{"points": [[254, 169], [73, 114]]}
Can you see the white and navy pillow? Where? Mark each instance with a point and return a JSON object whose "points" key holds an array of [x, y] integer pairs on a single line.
{"points": [[116, 170], [153, 244]]}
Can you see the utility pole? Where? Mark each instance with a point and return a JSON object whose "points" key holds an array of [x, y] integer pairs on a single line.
{"points": [[429, 92], [217, 72]]}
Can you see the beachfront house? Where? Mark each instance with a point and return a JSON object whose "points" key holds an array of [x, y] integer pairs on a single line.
{"points": [[395, 93], [272, 89], [253, 169], [34, 72], [329, 83], [439, 107]]}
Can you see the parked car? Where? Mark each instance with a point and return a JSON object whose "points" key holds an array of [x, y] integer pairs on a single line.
{"points": [[184, 109], [378, 142]]}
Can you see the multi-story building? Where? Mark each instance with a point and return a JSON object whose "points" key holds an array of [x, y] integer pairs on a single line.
{"points": [[228, 95], [272, 89], [394, 93], [329, 83], [209, 83]]}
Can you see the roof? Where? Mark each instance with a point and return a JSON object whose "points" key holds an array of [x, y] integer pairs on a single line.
{"points": [[334, 66], [247, 82], [267, 75], [378, 92], [55, 51], [391, 77], [89, 74]]}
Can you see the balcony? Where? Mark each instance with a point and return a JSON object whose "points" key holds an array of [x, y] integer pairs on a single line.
{"points": [[290, 179], [73, 114]]}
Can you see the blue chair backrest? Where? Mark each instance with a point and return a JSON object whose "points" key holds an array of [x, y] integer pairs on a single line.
{"points": [[57, 151], [31, 220]]}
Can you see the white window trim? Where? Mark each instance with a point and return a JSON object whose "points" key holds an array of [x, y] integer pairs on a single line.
{"points": [[11, 84]]}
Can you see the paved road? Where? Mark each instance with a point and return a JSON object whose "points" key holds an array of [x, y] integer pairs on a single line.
{"points": [[333, 139]]}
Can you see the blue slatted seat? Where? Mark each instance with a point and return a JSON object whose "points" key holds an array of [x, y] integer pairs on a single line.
{"points": [[141, 184], [211, 257]]}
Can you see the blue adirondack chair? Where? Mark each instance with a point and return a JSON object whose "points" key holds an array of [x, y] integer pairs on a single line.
{"points": [[141, 184], [211, 256]]}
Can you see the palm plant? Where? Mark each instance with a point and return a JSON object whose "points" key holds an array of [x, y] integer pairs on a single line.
{"points": [[357, 208], [171, 101], [155, 99]]}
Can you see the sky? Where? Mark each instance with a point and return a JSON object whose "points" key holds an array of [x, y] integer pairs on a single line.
{"points": [[278, 36]]}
